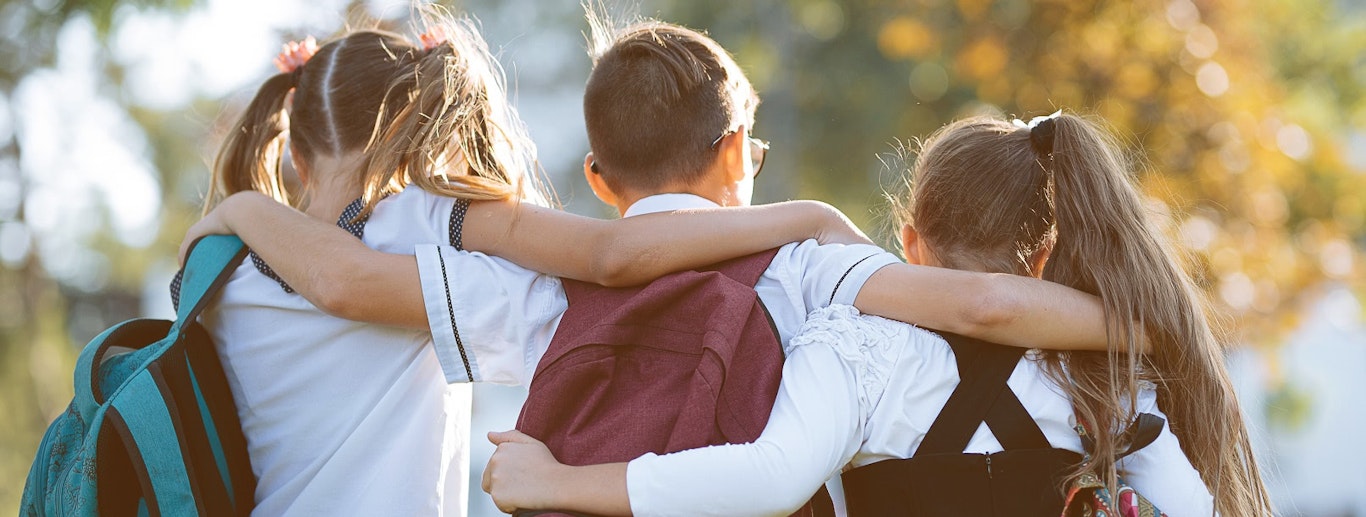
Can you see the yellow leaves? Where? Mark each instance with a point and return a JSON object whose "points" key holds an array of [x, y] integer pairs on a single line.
{"points": [[905, 37], [982, 59], [973, 9], [1135, 80]]}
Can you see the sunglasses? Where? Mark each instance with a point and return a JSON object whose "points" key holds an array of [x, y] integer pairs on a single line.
{"points": [[758, 150]]}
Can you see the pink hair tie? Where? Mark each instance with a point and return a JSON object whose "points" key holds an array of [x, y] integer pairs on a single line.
{"points": [[434, 37], [295, 53]]}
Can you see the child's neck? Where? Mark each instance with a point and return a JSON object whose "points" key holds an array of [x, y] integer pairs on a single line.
{"points": [[333, 184]]}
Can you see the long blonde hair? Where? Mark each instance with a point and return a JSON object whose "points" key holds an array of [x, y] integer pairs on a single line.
{"points": [[438, 118], [987, 192]]}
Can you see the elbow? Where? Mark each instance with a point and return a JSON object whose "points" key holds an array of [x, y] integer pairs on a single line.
{"points": [[997, 306], [613, 266], [332, 298], [334, 294]]}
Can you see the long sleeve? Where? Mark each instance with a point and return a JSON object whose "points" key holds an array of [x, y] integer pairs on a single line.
{"points": [[1162, 473], [812, 432], [832, 380]]}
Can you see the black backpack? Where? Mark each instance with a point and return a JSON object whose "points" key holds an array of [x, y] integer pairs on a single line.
{"points": [[1027, 478]]}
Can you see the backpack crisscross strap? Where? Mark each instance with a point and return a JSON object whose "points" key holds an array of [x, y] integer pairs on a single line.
{"points": [[941, 480], [152, 429]]}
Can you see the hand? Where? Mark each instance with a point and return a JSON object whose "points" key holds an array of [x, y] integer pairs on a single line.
{"points": [[211, 224], [521, 473], [838, 229]]}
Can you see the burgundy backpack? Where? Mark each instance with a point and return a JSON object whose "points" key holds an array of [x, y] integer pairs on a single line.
{"points": [[690, 360]]}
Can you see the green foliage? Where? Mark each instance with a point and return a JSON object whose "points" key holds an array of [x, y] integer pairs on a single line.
{"points": [[1240, 112]]}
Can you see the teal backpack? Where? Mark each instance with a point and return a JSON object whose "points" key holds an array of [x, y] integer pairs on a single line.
{"points": [[152, 429]]}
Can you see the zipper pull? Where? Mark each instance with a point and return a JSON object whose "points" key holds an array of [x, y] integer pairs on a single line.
{"points": [[988, 466]]}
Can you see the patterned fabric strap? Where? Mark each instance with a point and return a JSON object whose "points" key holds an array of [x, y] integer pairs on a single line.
{"points": [[457, 223], [1088, 497]]}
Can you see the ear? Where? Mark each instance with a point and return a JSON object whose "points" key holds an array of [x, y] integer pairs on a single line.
{"points": [[596, 181], [732, 155], [910, 245], [300, 165]]}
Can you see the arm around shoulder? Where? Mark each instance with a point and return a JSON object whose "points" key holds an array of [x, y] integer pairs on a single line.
{"points": [[329, 267], [639, 249], [1002, 308]]}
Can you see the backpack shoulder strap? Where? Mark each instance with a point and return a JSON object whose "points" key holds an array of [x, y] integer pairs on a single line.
{"points": [[746, 269], [1144, 431], [211, 262], [982, 395]]}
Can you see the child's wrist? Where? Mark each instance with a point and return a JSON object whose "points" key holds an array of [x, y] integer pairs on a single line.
{"points": [[560, 491]]}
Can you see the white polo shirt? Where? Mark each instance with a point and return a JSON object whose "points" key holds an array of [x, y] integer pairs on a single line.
{"points": [[492, 320], [345, 418]]}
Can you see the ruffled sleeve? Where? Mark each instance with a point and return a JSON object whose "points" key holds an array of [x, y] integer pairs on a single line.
{"points": [[870, 346]]}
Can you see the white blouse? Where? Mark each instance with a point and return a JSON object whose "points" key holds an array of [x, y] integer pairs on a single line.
{"points": [[861, 389]]}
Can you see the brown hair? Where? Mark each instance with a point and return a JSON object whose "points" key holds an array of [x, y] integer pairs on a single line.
{"points": [[657, 98], [982, 191], [437, 118]]}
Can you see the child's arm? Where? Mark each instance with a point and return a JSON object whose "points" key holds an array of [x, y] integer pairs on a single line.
{"points": [[1001, 308], [814, 430], [343, 277]]}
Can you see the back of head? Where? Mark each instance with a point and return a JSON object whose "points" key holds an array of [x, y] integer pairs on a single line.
{"points": [[339, 94], [658, 97], [995, 193], [435, 116]]}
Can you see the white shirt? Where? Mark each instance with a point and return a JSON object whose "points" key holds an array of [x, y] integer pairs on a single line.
{"points": [[345, 418], [861, 389], [492, 320]]}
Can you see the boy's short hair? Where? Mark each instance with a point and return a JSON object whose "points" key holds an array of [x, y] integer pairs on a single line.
{"points": [[658, 97]]}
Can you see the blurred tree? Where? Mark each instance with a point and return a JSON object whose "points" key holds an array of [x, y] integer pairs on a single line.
{"points": [[37, 313], [1247, 115]]}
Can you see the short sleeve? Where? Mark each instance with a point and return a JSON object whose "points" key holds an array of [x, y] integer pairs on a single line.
{"points": [[491, 320], [833, 273]]}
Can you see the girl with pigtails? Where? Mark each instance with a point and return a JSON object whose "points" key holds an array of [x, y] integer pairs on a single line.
{"points": [[900, 409], [391, 140]]}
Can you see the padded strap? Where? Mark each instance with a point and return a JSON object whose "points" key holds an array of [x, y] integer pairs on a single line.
{"points": [[1144, 431], [747, 269], [211, 262]]}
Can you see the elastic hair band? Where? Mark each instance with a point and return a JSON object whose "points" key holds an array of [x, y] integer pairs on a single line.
{"points": [[1041, 137]]}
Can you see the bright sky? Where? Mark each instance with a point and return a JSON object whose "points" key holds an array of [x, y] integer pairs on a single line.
{"points": [[85, 157]]}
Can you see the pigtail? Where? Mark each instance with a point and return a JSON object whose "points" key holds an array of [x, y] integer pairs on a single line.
{"points": [[447, 127], [1107, 246], [249, 158]]}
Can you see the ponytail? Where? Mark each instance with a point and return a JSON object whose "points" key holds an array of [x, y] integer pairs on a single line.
{"points": [[250, 157], [1107, 246], [450, 130]]}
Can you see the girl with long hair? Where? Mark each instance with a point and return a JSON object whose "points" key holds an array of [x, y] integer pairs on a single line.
{"points": [[1053, 201]]}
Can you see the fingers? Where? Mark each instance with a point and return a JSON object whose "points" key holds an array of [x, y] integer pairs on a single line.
{"points": [[512, 436]]}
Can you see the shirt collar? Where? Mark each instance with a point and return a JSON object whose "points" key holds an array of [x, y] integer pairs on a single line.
{"points": [[667, 203]]}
